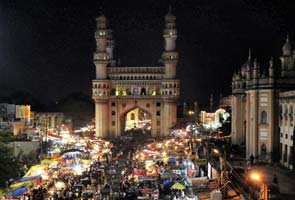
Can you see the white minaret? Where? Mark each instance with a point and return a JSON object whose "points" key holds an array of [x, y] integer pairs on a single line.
{"points": [[170, 56], [101, 56]]}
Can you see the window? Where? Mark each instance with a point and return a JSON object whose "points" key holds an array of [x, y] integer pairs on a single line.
{"points": [[291, 137], [281, 134], [113, 104], [113, 113], [263, 117], [291, 156], [286, 113], [113, 123], [291, 113], [158, 113], [132, 116], [113, 92], [158, 104], [281, 112], [281, 151], [143, 91], [158, 123], [286, 136], [285, 153], [147, 105]]}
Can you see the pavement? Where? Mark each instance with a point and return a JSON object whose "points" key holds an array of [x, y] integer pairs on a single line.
{"points": [[286, 179]]}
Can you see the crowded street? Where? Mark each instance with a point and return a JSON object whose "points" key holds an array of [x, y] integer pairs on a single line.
{"points": [[92, 168]]}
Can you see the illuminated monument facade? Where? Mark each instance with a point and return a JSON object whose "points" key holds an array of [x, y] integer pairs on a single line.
{"points": [[256, 113], [117, 90]]}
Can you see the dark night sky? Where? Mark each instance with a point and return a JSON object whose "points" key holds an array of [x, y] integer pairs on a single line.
{"points": [[46, 46]]}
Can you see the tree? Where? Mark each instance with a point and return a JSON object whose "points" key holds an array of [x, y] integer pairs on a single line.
{"points": [[9, 165], [78, 107], [23, 98]]}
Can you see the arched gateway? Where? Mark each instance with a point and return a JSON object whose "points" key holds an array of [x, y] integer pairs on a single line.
{"points": [[118, 90]]}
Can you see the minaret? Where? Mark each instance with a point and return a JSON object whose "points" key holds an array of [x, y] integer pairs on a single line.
{"points": [[287, 60], [184, 110], [196, 109], [256, 70], [170, 56], [101, 56], [287, 48], [248, 66], [110, 48], [211, 102], [271, 72], [101, 83]]}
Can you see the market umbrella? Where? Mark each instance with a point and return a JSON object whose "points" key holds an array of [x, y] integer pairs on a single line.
{"points": [[17, 192], [47, 162], [178, 186], [20, 185], [172, 160], [166, 183]]}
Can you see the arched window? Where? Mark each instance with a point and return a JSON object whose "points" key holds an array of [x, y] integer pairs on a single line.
{"points": [[286, 112], [263, 117], [143, 91], [281, 112], [291, 113], [113, 92]]}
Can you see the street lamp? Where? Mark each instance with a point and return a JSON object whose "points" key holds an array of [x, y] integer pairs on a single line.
{"points": [[256, 177], [216, 151]]}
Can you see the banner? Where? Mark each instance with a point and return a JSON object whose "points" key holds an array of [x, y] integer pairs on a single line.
{"points": [[27, 112], [22, 111]]}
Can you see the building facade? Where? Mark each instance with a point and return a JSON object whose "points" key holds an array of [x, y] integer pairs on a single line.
{"points": [[120, 89], [286, 125], [47, 120], [255, 104]]}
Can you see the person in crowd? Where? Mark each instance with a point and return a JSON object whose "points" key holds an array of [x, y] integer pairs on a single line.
{"points": [[251, 159], [275, 179]]}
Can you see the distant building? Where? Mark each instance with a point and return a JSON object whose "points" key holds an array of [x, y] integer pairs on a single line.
{"points": [[255, 104], [19, 119], [225, 102], [15, 118], [47, 120], [286, 124], [7, 112]]}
